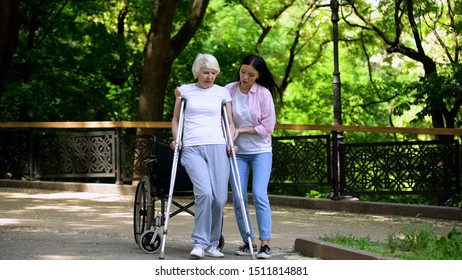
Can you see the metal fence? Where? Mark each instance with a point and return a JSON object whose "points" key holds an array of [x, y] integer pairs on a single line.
{"points": [[360, 168], [401, 167]]}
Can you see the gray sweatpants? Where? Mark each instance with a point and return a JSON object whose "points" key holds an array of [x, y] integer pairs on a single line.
{"points": [[208, 168]]}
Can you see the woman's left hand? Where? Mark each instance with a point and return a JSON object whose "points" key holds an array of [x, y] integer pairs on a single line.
{"points": [[230, 152], [177, 92]]}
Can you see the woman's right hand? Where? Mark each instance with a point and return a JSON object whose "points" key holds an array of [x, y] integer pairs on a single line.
{"points": [[173, 143], [236, 134]]}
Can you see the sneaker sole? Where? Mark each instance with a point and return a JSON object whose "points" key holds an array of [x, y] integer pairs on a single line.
{"points": [[244, 254], [265, 256], [195, 257], [214, 256]]}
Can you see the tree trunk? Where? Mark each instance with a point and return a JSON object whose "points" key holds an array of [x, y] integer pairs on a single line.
{"points": [[160, 52], [9, 33]]}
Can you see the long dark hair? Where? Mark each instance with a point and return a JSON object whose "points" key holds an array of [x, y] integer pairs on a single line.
{"points": [[265, 78]]}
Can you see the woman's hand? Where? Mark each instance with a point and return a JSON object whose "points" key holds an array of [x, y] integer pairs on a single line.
{"points": [[236, 134], [177, 92], [230, 152], [173, 144]]}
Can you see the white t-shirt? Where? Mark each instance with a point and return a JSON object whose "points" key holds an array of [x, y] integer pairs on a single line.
{"points": [[202, 123], [247, 143]]}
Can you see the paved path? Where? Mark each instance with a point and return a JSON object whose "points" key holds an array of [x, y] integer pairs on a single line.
{"points": [[38, 224]]}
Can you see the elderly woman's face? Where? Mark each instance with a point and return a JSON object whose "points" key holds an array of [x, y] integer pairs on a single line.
{"points": [[206, 77]]}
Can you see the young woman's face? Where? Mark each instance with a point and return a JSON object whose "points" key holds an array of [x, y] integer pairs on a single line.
{"points": [[206, 77], [248, 75]]}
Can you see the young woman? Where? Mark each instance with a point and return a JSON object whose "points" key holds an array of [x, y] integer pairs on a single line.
{"points": [[204, 154], [254, 119]]}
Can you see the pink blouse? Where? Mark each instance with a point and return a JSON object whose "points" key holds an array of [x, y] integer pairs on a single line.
{"points": [[262, 108]]}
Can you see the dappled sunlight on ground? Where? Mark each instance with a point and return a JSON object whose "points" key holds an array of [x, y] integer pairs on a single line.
{"points": [[57, 257], [381, 218], [10, 221], [325, 213], [118, 215], [71, 208], [70, 195]]}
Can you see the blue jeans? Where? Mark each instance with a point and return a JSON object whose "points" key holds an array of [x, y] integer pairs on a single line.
{"points": [[260, 164]]}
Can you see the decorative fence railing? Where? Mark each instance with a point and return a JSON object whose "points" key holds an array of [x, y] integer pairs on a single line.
{"points": [[107, 151], [301, 160], [396, 168]]}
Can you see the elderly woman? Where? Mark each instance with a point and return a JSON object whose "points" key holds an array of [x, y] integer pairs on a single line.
{"points": [[204, 154]]}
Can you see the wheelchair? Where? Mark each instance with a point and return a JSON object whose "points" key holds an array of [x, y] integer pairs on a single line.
{"points": [[151, 198]]}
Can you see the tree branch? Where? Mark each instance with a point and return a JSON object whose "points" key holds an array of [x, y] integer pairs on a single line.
{"points": [[378, 101], [415, 31], [189, 28], [47, 31], [369, 25], [363, 46], [293, 49], [265, 29]]}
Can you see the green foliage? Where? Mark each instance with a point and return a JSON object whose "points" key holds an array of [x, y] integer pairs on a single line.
{"points": [[300, 190], [408, 243], [437, 91], [411, 240], [361, 243], [73, 63], [425, 245], [81, 70], [455, 201]]}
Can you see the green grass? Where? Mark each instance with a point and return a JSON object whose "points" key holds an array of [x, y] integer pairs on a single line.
{"points": [[407, 244]]}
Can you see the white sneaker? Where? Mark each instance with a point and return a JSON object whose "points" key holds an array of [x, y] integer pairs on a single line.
{"points": [[196, 253], [214, 253]]}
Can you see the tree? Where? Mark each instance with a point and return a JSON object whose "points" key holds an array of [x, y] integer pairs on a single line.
{"points": [[9, 33], [76, 60], [161, 50], [406, 27], [286, 34], [267, 21]]}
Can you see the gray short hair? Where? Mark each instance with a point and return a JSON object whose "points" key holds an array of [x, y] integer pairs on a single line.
{"points": [[205, 61]]}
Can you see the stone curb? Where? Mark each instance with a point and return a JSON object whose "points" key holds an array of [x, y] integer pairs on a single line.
{"points": [[328, 251], [366, 207]]}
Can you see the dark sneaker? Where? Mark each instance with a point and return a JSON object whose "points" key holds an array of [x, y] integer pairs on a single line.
{"points": [[264, 253], [244, 250]]}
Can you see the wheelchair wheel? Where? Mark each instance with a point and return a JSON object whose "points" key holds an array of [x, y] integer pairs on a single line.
{"points": [[149, 243], [221, 243], [143, 208]]}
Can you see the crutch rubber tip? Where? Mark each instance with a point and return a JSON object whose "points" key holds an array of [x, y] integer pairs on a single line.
{"points": [[161, 255], [253, 257]]}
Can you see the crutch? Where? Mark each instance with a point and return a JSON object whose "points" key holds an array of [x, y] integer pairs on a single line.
{"points": [[237, 180], [176, 154]]}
